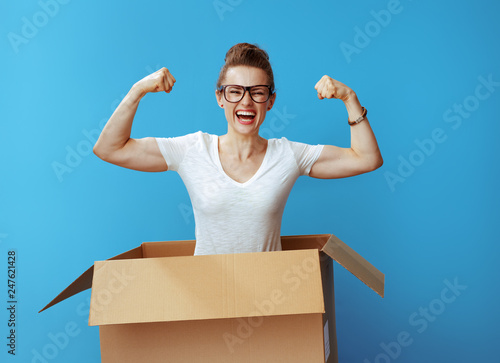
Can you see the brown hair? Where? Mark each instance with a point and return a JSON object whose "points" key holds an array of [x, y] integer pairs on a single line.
{"points": [[245, 54]]}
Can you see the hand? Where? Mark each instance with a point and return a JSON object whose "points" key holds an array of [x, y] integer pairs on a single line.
{"points": [[161, 80], [327, 87]]}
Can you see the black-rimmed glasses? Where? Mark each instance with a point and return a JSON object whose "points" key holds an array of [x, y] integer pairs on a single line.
{"points": [[234, 93]]}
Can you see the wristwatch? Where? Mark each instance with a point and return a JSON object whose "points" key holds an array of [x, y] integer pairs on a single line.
{"points": [[359, 119]]}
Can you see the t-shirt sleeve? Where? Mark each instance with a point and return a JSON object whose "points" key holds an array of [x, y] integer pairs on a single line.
{"points": [[174, 149], [305, 155]]}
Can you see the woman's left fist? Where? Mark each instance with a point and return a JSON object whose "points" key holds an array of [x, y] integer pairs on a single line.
{"points": [[328, 87]]}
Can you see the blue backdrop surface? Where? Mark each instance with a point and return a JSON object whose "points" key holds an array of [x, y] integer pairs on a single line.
{"points": [[428, 72]]}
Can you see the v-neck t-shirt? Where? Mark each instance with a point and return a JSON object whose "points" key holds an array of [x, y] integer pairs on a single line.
{"points": [[234, 217]]}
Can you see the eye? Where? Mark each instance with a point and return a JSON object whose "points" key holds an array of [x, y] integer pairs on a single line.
{"points": [[260, 91], [235, 91]]}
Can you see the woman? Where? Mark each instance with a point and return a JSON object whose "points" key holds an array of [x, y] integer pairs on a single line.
{"points": [[239, 182]]}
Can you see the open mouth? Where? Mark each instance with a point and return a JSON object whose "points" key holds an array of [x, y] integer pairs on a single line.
{"points": [[245, 117]]}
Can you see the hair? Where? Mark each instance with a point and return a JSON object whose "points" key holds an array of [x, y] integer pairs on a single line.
{"points": [[245, 54]]}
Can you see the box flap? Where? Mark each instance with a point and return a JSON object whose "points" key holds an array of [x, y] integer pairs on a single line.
{"points": [[168, 248], [356, 264], [206, 287], [84, 282], [304, 242]]}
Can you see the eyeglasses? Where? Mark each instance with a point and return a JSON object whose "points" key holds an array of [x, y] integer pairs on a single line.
{"points": [[234, 93]]}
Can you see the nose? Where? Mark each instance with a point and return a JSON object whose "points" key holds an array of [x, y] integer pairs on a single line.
{"points": [[246, 98]]}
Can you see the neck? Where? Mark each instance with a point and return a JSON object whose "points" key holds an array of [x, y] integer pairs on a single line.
{"points": [[242, 146]]}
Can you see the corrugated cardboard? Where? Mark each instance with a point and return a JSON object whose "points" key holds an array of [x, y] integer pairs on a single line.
{"points": [[159, 303]]}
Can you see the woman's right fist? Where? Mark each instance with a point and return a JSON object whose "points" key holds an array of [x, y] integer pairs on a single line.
{"points": [[161, 80]]}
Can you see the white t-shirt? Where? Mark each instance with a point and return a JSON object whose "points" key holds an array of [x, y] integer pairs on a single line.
{"points": [[233, 217]]}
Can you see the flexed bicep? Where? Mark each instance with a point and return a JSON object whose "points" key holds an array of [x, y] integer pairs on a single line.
{"points": [[115, 144], [140, 154]]}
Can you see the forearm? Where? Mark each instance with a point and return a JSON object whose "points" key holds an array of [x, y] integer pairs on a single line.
{"points": [[117, 131], [363, 141]]}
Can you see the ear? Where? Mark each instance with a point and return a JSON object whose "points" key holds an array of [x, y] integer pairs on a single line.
{"points": [[218, 96], [270, 102]]}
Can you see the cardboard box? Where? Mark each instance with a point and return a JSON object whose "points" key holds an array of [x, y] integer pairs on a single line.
{"points": [[159, 303]]}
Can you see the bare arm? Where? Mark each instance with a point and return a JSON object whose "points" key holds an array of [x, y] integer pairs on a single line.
{"points": [[115, 145], [363, 155]]}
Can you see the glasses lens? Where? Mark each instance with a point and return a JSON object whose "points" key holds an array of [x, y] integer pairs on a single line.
{"points": [[234, 93], [259, 94]]}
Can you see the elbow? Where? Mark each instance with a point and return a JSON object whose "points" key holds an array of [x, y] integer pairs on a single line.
{"points": [[375, 163], [99, 152], [379, 162], [109, 153]]}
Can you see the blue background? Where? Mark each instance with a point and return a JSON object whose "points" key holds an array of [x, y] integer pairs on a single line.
{"points": [[426, 218]]}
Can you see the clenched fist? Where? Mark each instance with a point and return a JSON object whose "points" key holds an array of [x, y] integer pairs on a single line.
{"points": [[328, 87], [161, 80]]}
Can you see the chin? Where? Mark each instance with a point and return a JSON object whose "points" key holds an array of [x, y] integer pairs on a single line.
{"points": [[246, 128]]}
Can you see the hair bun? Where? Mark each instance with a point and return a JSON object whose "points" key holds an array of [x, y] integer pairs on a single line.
{"points": [[246, 54], [241, 50]]}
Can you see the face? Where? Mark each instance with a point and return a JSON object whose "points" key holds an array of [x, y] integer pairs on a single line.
{"points": [[245, 116]]}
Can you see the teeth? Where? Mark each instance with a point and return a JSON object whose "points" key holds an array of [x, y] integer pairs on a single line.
{"points": [[245, 113]]}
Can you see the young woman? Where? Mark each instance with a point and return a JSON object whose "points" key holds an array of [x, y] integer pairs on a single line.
{"points": [[239, 182]]}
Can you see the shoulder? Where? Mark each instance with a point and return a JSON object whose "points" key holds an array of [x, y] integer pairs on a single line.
{"points": [[189, 139], [283, 147], [204, 137], [182, 144], [304, 155], [279, 143], [199, 135], [176, 149], [285, 144]]}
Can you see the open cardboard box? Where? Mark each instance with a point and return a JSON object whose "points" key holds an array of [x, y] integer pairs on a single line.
{"points": [[159, 303]]}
